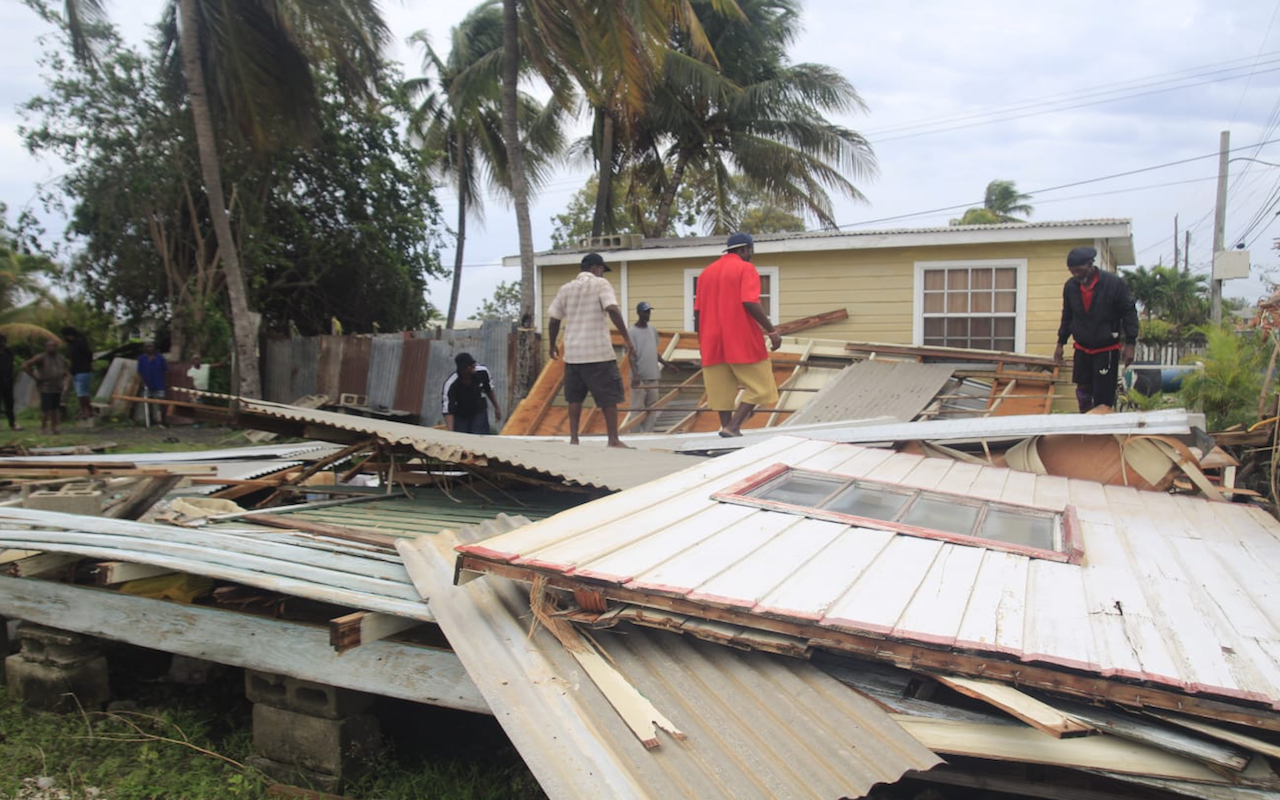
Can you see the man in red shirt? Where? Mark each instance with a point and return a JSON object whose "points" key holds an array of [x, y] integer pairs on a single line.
{"points": [[729, 320], [1099, 314]]}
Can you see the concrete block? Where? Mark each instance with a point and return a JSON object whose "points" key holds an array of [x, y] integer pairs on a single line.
{"points": [[293, 775], [304, 697], [81, 501], [64, 689], [339, 747], [55, 647]]}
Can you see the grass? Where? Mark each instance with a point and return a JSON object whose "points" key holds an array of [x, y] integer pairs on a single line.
{"points": [[128, 436], [192, 743]]}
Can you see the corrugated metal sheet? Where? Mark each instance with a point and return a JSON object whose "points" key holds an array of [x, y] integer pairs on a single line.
{"points": [[411, 383], [866, 389], [354, 377], [1172, 590], [429, 511], [329, 366], [758, 726], [488, 344], [304, 354], [277, 368], [587, 465], [384, 367]]}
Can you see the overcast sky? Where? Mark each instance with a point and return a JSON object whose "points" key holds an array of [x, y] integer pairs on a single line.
{"points": [[1047, 94]]}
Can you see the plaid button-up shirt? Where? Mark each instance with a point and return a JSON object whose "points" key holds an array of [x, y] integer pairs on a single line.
{"points": [[580, 306]]}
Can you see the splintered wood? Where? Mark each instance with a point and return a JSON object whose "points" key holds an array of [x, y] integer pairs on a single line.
{"points": [[636, 711]]}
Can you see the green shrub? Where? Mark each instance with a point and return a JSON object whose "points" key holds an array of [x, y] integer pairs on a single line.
{"points": [[1227, 389]]}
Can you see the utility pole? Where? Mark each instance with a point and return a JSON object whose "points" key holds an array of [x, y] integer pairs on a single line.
{"points": [[1219, 228], [1175, 241], [1186, 254]]}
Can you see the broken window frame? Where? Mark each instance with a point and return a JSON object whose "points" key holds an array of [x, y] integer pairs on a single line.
{"points": [[1066, 522]]}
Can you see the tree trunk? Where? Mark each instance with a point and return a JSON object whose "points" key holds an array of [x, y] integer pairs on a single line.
{"points": [[668, 200], [462, 237], [604, 187], [244, 323], [527, 341]]}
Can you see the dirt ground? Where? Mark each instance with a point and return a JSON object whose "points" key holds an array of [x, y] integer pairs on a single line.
{"points": [[127, 437]]}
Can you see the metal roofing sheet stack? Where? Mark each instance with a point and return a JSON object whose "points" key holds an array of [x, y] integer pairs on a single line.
{"points": [[867, 389], [758, 726], [1173, 590]]}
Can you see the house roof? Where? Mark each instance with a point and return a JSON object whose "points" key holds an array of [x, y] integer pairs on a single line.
{"points": [[1173, 590], [1117, 233]]}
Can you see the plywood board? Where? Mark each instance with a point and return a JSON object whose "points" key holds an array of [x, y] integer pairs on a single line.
{"points": [[1036, 713]]}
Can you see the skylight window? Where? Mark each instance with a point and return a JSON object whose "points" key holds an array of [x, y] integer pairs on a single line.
{"points": [[1037, 532]]}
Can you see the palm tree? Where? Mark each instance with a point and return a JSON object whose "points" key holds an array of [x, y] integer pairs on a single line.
{"points": [[460, 117], [1004, 201], [758, 121], [248, 63], [23, 295]]}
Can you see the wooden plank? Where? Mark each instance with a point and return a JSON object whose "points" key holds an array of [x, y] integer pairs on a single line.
{"points": [[295, 523], [956, 354], [40, 564], [1058, 627], [691, 566], [881, 593], [804, 323], [994, 618], [9, 556], [362, 627], [144, 497], [1030, 746], [109, 573], [1220, 732], [936, 609], [392, 669], [812, 588], [765, 568], [1172, 740], [928, 473], [1037, 714]]}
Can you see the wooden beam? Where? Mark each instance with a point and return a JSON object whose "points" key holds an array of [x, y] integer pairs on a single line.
{"points": [[1172, 740], [394, 669], [362, 627], [1035, 713], [315, 467], [917, 657], [294, 523], [109, 573], [1223, 734], [144, 497], [40, 564], [805, 323]]}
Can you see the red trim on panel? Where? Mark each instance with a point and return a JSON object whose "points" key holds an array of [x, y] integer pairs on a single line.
{"points": [[854, 625], [607, 577], [480, 551], [550, 566], [927, 638], [778, 612], [752, 481], [722, 600], [1072, 538], [662, 588], [1071, 663]]}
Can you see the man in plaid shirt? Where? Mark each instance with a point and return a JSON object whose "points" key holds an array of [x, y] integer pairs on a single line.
{"points": [[585, 305]]}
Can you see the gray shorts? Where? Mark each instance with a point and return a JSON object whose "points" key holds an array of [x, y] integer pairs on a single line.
{"points": [[601, 378]]}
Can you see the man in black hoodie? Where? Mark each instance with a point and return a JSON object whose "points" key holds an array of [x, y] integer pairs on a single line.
{"points": [[1099, 314]]}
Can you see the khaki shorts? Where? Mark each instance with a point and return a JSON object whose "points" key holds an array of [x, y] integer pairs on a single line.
{"points": [[722, 382]]}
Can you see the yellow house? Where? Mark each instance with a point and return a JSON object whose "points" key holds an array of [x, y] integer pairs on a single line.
{"points": [[991, 287]]}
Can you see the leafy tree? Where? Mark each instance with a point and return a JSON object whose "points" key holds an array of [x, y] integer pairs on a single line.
{"points": [[1001, 202], [1227, 389], [248, 65], [340, 229], [505, 303], [1176, 296], [460, 118]]}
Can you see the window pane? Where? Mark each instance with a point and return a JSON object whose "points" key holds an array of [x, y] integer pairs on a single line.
{"points": [[957, 302], [933, 327], [933, 302], [765, 285], [1005, 326], [941, 515], [1007, 278], [799, 490], [1003, 344], [981, 278], [958, 328], [1022, 529], [935, 279], [862, 501], [958, 279], [1006, 302], [981, 302], [981, 327]]}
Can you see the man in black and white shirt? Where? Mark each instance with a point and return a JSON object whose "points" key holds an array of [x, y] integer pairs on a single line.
{"points": [[463, 397]]}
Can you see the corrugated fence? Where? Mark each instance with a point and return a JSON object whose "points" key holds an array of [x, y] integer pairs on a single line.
{"points": [[393, 371]]}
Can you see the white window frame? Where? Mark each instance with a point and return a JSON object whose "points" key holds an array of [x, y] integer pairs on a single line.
{"points": [[1020, 307], [775, 293]]}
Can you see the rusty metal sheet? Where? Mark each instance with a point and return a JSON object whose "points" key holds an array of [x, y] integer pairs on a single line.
{"points": [[329, 365], [276, 367], [384, 364], [411, 382], [303, 354], [354, 377]]}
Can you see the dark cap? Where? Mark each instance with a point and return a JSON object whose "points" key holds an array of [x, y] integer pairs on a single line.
{"points": [[1080, 256], [463, 360], [737, 240], [594, 260], [643, 306]]}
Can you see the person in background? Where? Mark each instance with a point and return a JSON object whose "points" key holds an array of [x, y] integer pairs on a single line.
{"points": [[586, 305], [81, 368], [52, 376], [154, 371], [1099, 314], [729, 323], [198, 372], [6, 382], [463, 397], [648, 365]]}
